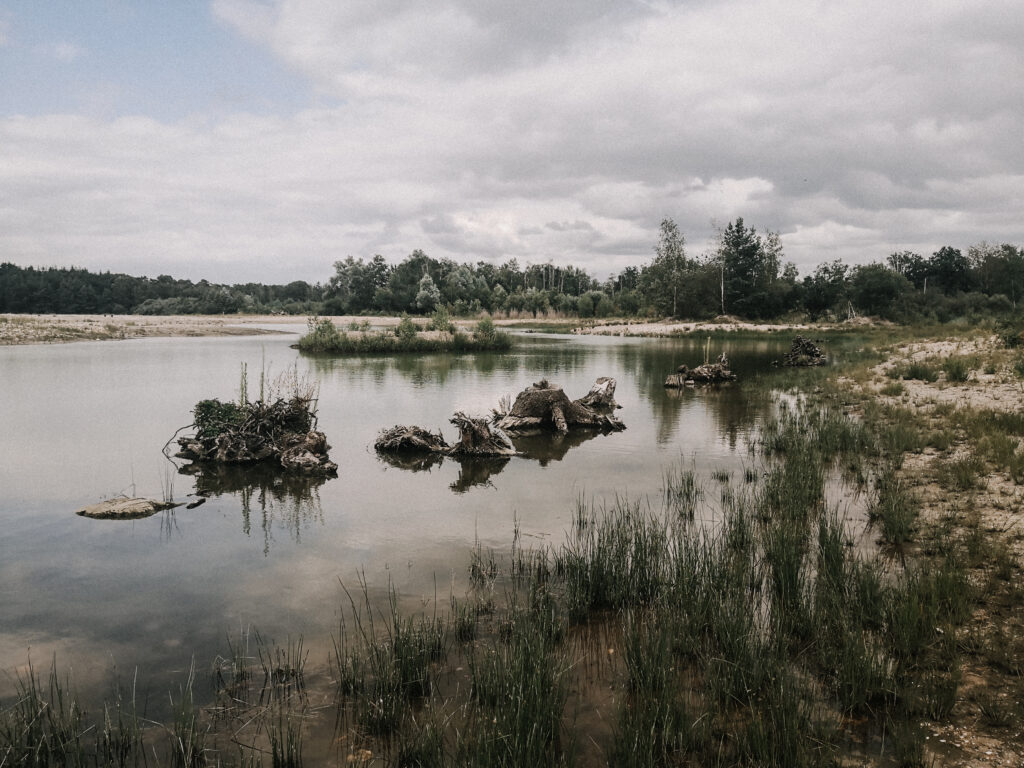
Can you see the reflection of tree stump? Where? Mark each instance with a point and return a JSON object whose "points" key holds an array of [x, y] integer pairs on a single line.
{"points": [[544, 406]]}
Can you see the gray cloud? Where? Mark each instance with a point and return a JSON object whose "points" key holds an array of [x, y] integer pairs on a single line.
{"points": [[494, 130]]}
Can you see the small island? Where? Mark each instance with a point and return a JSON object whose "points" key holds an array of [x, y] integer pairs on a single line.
{"points": [[440, 335]]}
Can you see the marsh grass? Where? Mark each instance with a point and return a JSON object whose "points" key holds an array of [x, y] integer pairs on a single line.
{"points": [[963, 473], [895, 507], [958, 367], [681, 490]]}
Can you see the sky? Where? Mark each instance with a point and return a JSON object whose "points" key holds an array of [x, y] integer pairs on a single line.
{"points": [[263, 140]]}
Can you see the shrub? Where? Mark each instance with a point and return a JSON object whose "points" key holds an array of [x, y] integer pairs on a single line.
{"points": [[406, 329], [1011, 334], [920, 371], [958, 367], [322, 335], [485, 330], [440, 320]]}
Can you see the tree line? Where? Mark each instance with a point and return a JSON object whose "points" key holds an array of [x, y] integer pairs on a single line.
{"points": [[744, 275]]}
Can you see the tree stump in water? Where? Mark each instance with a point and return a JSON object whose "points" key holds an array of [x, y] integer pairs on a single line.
{"points": [[544, 406], [254, 433], [401, 439], [476, 438], [708, 373]]}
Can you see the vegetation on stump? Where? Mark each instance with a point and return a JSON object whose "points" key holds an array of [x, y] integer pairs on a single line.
{"points": [[281, 430], [707, 373]]}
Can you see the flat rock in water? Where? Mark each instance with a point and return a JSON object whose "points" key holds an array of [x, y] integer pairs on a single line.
{"points": [[125, 509]]}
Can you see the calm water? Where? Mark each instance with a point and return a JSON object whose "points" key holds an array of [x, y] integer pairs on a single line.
{"points": [[84, 422]]}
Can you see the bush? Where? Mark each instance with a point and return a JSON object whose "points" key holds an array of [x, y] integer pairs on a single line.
{"points": [[406, 329], [1011, 334], [958, 368], [485, 330], [322, 335], [440, 320], [921, 372]]}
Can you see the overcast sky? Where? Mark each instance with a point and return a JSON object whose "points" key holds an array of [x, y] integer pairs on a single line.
{"points": [[240, 140]]}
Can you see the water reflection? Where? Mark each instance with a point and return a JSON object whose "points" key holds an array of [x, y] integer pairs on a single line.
{"points": [[477, 471], [275, 499], [735, 409], [473, 470], [540, 355]]}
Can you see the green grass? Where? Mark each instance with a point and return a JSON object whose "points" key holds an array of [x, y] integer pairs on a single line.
{"points": [[895, 507], [958, 367]]}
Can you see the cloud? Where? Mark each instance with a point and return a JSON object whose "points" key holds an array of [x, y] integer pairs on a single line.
{"points": [[486, 130], [65, 51]]}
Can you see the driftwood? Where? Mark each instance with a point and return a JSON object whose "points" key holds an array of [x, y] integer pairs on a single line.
{"points": [[476, 438], [803, 353], [708, 373], [545, 406]]}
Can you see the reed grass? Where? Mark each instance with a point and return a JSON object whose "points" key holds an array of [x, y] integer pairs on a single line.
{"points": [[895, 507]]}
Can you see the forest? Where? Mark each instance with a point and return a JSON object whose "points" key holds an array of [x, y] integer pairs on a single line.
{"points": [[745, 275]]}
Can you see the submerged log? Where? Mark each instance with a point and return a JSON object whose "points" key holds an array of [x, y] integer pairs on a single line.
{"points": [[545, 406], [708, 373], [803, 353]]}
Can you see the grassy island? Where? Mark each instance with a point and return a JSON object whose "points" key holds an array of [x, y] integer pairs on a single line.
{"points": [[325, 337]]}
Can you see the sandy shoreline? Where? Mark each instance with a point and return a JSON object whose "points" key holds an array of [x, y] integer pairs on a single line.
{"points": [[57, 329], [60, 329]]}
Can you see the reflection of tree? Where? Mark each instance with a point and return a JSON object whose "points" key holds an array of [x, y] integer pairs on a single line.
{"points": [[539, 355], [419, 369], [735, 408], [291, 501]]}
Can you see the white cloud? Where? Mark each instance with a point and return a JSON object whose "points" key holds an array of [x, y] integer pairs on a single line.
{"points": [[65, 51], [466, 128]]}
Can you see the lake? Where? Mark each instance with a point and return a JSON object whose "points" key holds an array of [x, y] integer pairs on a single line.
{"points": [[87, 421]]}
